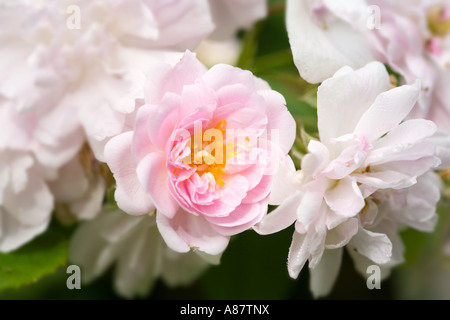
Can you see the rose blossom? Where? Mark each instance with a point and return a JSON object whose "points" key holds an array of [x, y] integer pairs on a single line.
{"points": [[203, 151], [367, 156], [413, 40], [69, 73], [81, 60]]}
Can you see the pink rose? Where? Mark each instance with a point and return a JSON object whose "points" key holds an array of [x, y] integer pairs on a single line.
{"points": [[203, 151]]}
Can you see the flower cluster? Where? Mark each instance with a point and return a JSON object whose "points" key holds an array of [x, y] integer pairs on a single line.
{"points": [[132, 121]]}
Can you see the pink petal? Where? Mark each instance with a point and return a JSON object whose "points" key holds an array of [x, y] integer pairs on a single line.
{"points": [[162, 121], [165, 79], [236, 93], [280, 119], [152, 173], [197, 95], [242, 218], [222, 75], [185, 231], [130, 195], [141, 140], [260, 192]]}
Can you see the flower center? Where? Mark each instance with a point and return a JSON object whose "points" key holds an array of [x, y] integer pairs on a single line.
{"points": [[438, 20], [209, 153]]}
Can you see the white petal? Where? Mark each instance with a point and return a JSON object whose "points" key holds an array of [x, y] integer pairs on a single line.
{"points": [[71, 182], [442, 141], [90, 205], [408, 132], [297, 255], [388, 110], [345, 198], [319, 52], [386, 179], [419, 211], [343, 99], [342, 234], [139, 266], [32, 206], [284, 182], [362, 263], [280, 218], [14, 234], [324, 275], [316, 159], [375, 246], [89, 250], [311, 205], [400, 152], [182, 269]]}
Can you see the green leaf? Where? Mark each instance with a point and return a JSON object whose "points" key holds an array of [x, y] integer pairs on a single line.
{"points": [[29, 263], [299, 97]]}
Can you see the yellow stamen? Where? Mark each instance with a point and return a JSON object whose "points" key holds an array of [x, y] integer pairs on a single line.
{"points": [[213, 153], [437, 24]]}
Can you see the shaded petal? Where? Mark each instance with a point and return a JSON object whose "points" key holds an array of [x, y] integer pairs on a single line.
{"points": [[260, 192], [342, 234], [184, 268], [186, 231], [375, 246], [33, 205], [345, 198], [324, 275], [130, 194], [138, 267], [240, 219]]}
